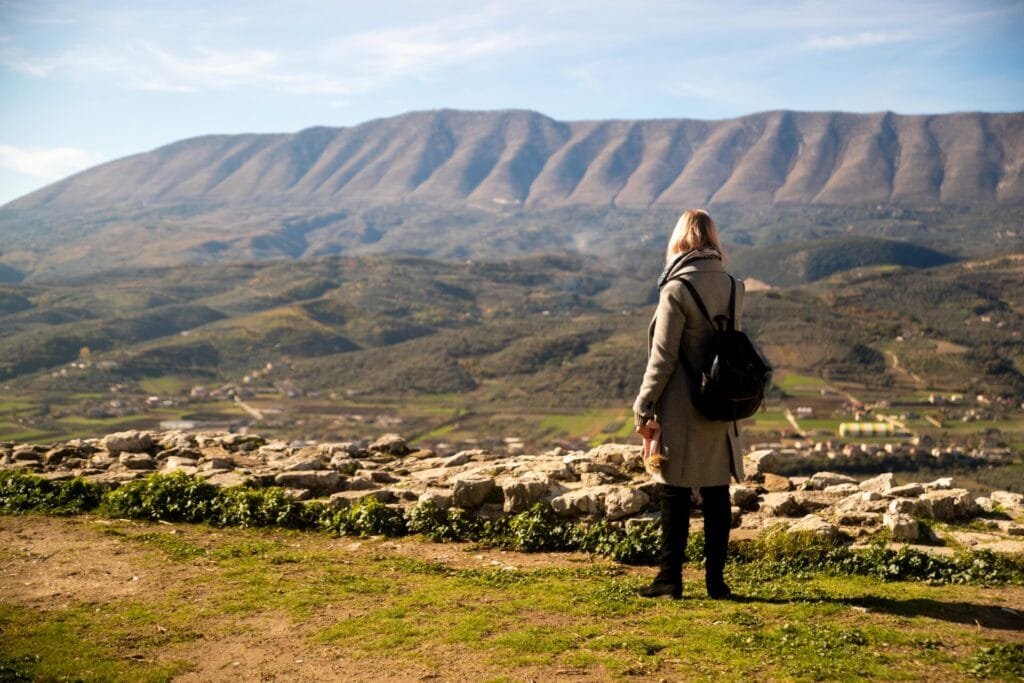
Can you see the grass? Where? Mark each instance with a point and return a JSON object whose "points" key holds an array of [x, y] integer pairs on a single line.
{"points": [[799, 385], [166, 386], [378, 599]]}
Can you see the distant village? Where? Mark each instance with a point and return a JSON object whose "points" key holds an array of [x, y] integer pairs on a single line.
{"points": [[873, 435]]}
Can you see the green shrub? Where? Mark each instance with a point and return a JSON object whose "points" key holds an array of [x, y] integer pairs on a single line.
{"points": [[368, 517], [178, 497], [447, 525], [174, 497], [638, 544], [997, 661], [22, 492], [537, 529], [244, 507]]}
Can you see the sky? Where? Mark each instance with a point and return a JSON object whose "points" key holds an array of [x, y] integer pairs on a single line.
{"points": [[87, 82]]}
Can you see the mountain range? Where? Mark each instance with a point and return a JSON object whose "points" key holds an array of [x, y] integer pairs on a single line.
{"points": [[525, 158], [507, 184]]}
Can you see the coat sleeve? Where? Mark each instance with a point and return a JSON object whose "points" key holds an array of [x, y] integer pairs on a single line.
{"points": [[664, 349]]}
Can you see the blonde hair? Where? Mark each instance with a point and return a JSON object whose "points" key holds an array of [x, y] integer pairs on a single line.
{"points": [[694, 230]]}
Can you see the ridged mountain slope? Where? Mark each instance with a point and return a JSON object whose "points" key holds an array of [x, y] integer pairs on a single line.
{"points": [[525, 158]]}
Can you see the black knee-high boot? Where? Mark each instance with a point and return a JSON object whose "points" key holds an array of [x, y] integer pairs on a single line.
{"points": [[675, 528], [717, 521]]}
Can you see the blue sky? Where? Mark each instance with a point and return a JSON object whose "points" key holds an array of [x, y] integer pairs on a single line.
{"points": [[85, 82]]}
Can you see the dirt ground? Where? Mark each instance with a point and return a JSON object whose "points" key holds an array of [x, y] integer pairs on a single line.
{"points": [[53, 563]]}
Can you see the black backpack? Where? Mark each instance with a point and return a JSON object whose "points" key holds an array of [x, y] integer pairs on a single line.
{"points": [[732, 384]]}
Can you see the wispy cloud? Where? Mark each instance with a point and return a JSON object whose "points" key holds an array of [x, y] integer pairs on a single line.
{"points": [[150, 67], [47, 163], [339, 65], [857, 40]]}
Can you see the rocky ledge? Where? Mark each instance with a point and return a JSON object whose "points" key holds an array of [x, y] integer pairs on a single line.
{"points": [[604, 482]]}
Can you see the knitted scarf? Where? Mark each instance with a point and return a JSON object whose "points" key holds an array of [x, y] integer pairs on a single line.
{"points": [[684, 258]]}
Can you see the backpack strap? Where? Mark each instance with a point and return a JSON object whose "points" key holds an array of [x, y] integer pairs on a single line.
{"points": [[731, 321], [732, 303], [697, 300]]}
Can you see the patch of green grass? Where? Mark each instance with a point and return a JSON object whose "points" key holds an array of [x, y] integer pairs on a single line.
{"points": [[166, 386], [84, 643], [385, 599], [797, 384], [534, 644], [1005, 662]]}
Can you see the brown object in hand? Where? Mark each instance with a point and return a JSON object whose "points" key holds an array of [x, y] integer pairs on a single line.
{"points": [[653, 458]]}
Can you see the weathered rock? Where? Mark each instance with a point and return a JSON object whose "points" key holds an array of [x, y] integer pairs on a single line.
{"points": [[985, 504], [176, 439], [318, 481], [588, 467], [910, 506], [58, 454], [858, 519], [218, 463], [177, 463], [757, 463], [554, 468], [137, 461], [242, 443], [344, 449], [523, 491], [360, 483], [645, 519], [823, 480], [442, 498], [381, 477], [1010, 528], [59, 475], [743, 498], [811, 500], [775, 483], [460, 458], [781, 504], [390, 444], [589, 501], [813, 524], [469, 491], [595, 478], [226, 479], [102, 460], [941, 484], [842, 490], [430, 474], [622, 456], [344, 464], [903, 526], [951, 505], [1009, 500], [863, 502], [880, 484], [27, 454], [344, 499], [906, 491], [622, 501], [132, 441]]}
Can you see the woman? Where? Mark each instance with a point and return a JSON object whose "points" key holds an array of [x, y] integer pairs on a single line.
{"points": [[699, 454]]}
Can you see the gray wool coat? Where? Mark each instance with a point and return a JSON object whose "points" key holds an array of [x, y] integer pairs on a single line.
{"points": [[700, 452]]}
